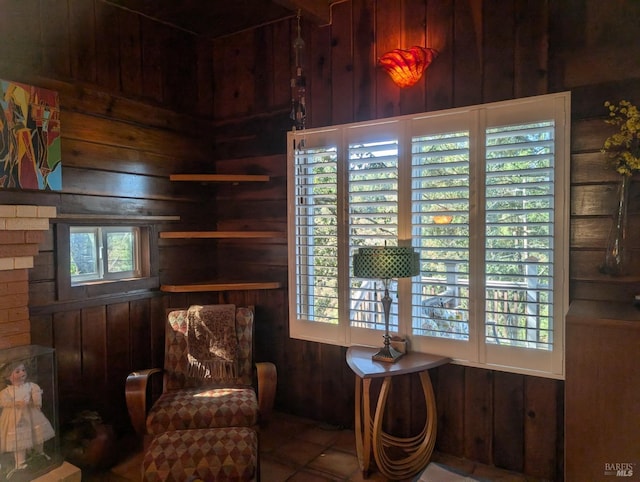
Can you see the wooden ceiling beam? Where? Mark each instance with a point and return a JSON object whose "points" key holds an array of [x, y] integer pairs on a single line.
{"points": [[318, 12]]}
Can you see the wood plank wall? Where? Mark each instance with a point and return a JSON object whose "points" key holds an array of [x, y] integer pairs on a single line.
{"points": [[141, 99], [489, 51], [128, 121]]}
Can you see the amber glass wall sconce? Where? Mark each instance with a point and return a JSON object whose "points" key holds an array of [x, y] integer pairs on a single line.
{"points": [[407, 66]]}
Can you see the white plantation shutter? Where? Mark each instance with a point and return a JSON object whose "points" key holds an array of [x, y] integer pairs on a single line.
{"points": [[440, 220], [313, 184], [519, 211], [480, 192], [373, 221]]}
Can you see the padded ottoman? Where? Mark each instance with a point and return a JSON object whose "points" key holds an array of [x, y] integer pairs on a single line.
{"points": [[218, 454], [190, 409]]}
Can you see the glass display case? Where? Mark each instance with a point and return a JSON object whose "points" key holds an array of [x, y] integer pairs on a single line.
{"points": [[29, 440]]}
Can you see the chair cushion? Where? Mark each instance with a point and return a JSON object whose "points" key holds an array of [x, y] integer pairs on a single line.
{"points": [[203, 408], [229, 454]]}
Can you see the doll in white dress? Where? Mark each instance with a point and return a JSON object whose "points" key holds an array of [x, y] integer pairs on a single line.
{"points": [[23, 426]]}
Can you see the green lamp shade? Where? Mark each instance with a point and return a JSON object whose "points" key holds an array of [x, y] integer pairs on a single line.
{"points": [[386, 262]]}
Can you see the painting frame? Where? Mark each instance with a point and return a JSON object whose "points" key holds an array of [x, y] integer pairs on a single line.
{"points": [[30, 141]]}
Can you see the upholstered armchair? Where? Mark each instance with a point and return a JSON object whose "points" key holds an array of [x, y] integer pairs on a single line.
{"points": [[209, 377]]}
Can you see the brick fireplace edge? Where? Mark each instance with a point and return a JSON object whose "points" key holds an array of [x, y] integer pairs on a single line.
{"points": [[22, 229]]}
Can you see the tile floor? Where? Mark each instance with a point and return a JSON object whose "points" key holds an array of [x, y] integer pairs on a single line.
{"points": [[295, 449]]}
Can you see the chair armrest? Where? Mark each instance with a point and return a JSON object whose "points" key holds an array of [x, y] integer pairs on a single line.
{"points": [[135, 392], [267, 376]]}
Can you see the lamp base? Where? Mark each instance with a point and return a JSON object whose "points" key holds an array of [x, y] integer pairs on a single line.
{"points": [[387, 354]]}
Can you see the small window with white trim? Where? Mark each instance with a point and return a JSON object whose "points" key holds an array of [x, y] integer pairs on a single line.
{"points": [[104, 260], [104, 253]]}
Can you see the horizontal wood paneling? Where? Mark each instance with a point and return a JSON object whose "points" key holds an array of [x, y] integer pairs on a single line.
{"points": [[127, 90]]}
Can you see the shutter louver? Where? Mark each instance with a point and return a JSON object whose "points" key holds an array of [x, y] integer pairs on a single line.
{"points": [[373, 221], [440, 220], [316, 234], [519, 235]]}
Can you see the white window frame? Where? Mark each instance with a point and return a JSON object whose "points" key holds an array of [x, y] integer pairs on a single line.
{"points": [[100, 235], [476, 119]]}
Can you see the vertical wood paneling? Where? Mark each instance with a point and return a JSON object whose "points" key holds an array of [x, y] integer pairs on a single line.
{"points": [[140, 331], [107, 46], [388, 22], [508, 421], [260, 71], [439, 75], [54, 28], [20, 28], [466, 48], [364, 57], [42, 330], [224, 89], [118, 338], [344, 417], [279, 54], [154, 37], [118, 348], [478, 415], [82, 40], [450, 400], [130, 53], [94, 348], [542, 399], [234, 88], [299, 363], [531, 54], [498, 50], [331, 392], [180, 90], [204, 72], [157, 323], [244, 57], [319, 75], [272, 335], [67, 339], [341, 64], [414, 30]]}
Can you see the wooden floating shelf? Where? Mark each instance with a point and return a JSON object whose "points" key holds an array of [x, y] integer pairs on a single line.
{"points": [[235, 286], [609, 279], [220, 286], [219, 177], [116, 217], [221, 234]]}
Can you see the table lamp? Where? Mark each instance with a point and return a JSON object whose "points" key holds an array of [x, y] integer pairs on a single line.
{"points": [[387, 263]]}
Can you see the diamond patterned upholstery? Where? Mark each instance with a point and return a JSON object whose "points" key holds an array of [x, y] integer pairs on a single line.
{"points": [[202, 429], [189, 403], [203, 408], [229, 454]]}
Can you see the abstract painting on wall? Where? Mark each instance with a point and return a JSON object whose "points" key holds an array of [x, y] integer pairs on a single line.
{"points": [[30, 152]]}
